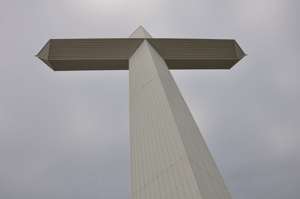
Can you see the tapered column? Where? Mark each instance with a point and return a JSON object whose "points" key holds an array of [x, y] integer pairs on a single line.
{"points": [[169, 158]]}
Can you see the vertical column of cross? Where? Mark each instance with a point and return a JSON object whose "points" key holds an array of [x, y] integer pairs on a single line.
{"points": [[160, 167], [169, 157]]}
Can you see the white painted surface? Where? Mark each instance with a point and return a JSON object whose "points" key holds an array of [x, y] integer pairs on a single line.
{"points": [[169, 158]]}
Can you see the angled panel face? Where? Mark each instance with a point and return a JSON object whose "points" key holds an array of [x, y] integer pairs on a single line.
{"points": [[198, 53], [89, 54]]}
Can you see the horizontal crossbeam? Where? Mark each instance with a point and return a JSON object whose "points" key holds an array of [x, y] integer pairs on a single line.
{"points": [[114, 53]]}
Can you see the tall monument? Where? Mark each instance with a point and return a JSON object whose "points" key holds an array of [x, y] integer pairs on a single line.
{"points": [[169, 157]]}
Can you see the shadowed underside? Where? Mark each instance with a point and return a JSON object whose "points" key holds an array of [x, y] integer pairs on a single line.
{"points": [[114, 54]]}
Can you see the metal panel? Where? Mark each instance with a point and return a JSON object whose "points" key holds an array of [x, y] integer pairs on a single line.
{"points": [[89, 54], [198, 53], [169, 157], [159, 164], [113, 54], [205, 171]]}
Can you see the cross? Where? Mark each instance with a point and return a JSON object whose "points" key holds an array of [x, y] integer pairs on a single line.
{"points": [[169, 157]]}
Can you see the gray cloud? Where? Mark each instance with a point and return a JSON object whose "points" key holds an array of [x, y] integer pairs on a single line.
{"points": [[58, 132]]}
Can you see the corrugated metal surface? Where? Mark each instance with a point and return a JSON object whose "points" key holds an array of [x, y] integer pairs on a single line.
{"points": [[169, 158], [160, 166], [209, 180], [198, 53], [89, 54], [113, 54]]}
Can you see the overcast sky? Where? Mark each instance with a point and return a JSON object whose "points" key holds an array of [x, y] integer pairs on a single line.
{"points": [[64, 135]]}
